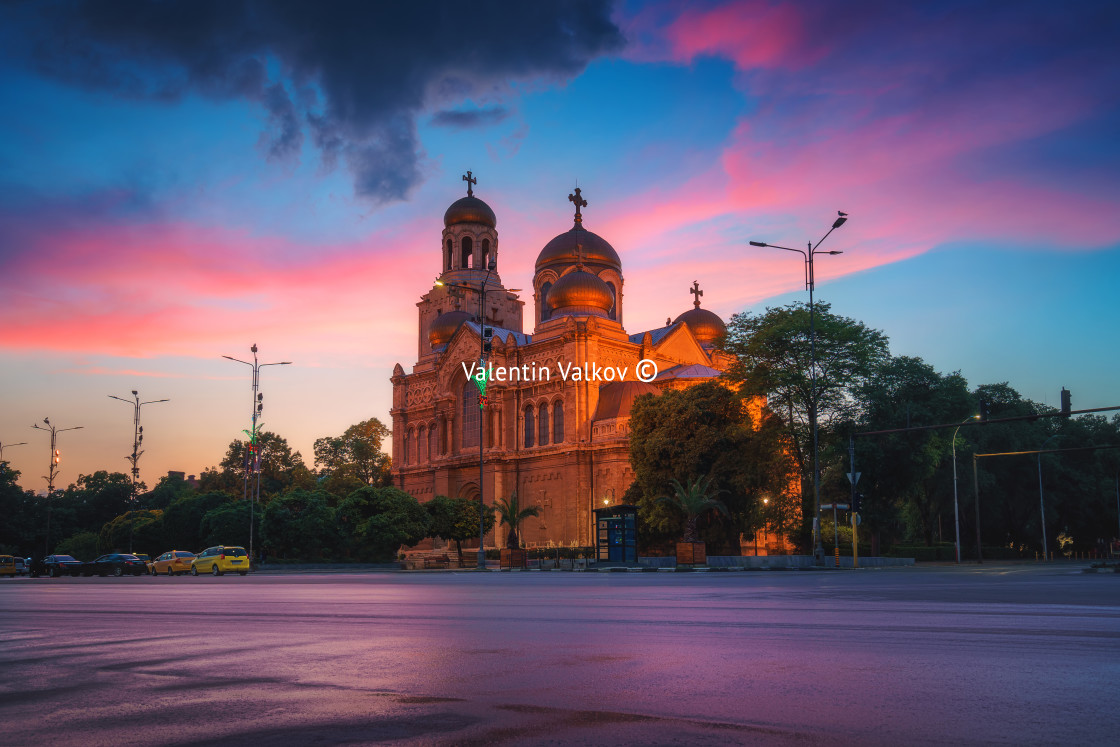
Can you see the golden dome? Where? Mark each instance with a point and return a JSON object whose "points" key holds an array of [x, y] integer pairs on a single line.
{"points": [[706, 326], [564, 249], [580, 292], [470, 209], [445, 326]]}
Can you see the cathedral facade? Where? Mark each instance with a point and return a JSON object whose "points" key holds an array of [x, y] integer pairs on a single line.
{"points": [[554, 420]]}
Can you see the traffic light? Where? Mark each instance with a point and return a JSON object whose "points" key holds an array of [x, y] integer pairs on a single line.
{"points": [[57, 456], [1066, 407], [983, 411], [857, 502], [487, 340]]}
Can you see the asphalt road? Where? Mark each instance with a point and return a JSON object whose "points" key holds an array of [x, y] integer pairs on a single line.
{"points": [[993, 655]]}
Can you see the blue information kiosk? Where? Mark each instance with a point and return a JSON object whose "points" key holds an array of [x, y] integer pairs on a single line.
{"points": [[617, 534]]}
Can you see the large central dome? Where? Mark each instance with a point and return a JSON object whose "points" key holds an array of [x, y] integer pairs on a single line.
{"points": [[565, 250]]}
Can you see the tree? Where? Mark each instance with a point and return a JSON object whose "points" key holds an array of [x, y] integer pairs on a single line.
{"points": [[281, 469], [93, 501], [169, 489], [907, 477], [709, 431], [143, 528], [695, 499], [228, 524], [378, 521], [773, 356], [357, 452], [456, 519], [182, 520], [300, 525], [81, 546], [511, 514]]}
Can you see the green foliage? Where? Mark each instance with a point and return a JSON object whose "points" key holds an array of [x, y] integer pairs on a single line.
{"points": [[707, 431], [281, 469], [356, 453], [168, 490], [377, 521], [300, 525], [694, 500], [82, 546], [145, 528], [511, 514], [92, 502], [24, 517], [773, 356], [456, 519], [228, 524], [182, 520]]}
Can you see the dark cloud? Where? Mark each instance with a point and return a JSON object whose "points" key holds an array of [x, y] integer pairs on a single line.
{"points": [[361, 71], [466, 118]]}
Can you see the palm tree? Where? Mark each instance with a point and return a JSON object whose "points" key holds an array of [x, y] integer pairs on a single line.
{"points": [[695, 499], [511, 514]]}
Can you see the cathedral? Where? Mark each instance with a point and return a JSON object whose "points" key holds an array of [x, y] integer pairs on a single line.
{"points": [[554, 415]]}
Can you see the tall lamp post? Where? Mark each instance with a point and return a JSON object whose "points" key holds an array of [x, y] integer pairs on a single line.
{"points": [[810, 284], [482, 351], [137, 439], [258, 407], [2, 445], [52, 472], [1041, 503], [956, 511]]}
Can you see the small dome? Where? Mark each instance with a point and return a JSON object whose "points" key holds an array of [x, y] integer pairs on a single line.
{"points": [[580, 292], [705, 325], [470, 210], [616, 398], [445, 326], [564, 250]]}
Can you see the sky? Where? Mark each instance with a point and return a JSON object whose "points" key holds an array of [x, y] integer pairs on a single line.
{"points": [[184, 179]]}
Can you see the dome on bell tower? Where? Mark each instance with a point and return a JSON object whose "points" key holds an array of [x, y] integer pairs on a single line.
{"points": [[470, 209], [445, 326]]}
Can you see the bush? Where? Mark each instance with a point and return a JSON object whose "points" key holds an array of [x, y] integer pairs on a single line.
{"points": [[83, 546]]}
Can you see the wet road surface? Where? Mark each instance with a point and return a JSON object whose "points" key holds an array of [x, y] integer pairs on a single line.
{"points": [[994, 655]]}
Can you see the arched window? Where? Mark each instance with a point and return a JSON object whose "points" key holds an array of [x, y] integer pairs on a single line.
{"points": [[542, 425], [449, 255], [468, 250], [433, 441], [529, 429], [407, 445], [546, 311], [422, 445], [471, 415], [485, 254], [442, 436], [557, 422], [613, 313]]}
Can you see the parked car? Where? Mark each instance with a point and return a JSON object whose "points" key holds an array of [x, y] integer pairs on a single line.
{"points": [[55, 566], [147, 560], [116, 563], [21, 566], [219, 560], [7, 566], [172, 562]]}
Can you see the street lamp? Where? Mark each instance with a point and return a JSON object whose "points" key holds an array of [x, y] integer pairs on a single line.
{"points": [[258, 407], [2, 445], [956, 512], [56, 457], [481, 290], [1041, 503], [810, 284], [137, 439]]}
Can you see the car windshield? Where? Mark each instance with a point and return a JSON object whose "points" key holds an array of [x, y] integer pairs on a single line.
{"points": [[184, 554], [63, 558], [237, 552], [128, 557]]}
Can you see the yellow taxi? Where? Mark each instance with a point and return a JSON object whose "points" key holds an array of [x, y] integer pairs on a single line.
{"points": [[171, 563], [7, 565], [221, 559]]}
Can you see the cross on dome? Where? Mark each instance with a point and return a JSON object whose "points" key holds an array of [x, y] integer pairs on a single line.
{"points": [[471, 181], [695, 291], [579, 202]]}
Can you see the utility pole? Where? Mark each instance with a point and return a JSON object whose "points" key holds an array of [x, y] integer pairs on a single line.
{"points": [[52, 471], [134, 458]]}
